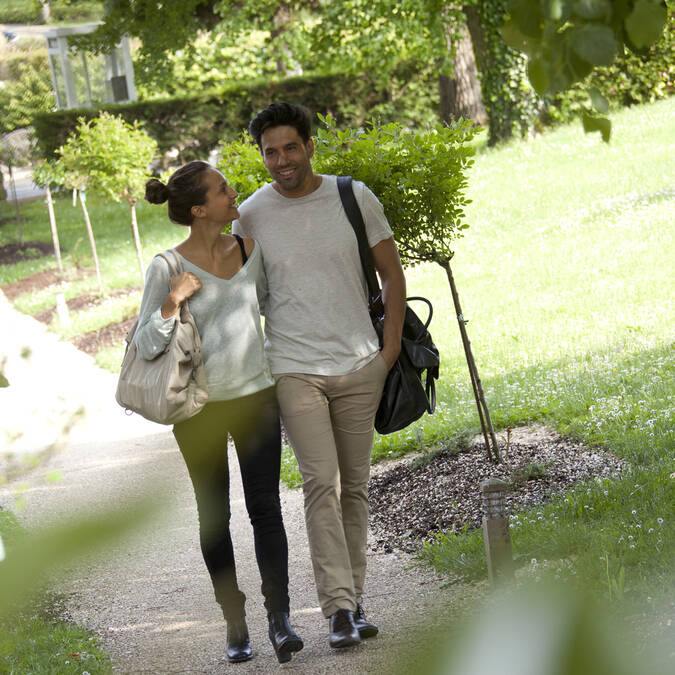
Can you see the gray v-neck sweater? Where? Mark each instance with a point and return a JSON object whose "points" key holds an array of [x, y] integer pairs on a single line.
{"points": [[227, 315]]}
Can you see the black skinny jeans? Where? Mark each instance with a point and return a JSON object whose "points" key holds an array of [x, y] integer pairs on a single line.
{"points": [[253, 423]]}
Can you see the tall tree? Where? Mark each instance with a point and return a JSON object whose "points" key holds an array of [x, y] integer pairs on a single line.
{"points": [[460, 94], [510, 102]]}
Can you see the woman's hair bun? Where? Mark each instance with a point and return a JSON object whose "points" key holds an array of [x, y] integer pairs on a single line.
{"points": [[156, 192]]}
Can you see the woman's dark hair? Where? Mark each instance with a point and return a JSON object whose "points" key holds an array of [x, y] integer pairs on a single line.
{"points": [[281, 114], [185, 189]]}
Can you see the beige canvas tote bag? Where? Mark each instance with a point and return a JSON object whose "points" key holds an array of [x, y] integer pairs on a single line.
{"points": [[171, 387]]}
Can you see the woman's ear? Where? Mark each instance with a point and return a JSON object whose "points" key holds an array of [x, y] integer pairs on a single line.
{"points": [[197, 211]]}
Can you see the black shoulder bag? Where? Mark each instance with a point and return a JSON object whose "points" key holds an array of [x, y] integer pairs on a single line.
{"points": [[405, 397]]}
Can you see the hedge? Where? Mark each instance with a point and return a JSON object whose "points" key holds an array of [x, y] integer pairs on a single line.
{"points": [[30, 11], [13, 63], [194, 125]]}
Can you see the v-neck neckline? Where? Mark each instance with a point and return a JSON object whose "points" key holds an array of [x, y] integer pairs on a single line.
{"points": [[215, 276]]}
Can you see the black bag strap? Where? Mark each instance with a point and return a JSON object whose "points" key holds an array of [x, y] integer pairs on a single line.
{"points": [[240, 241], [351, 207]]}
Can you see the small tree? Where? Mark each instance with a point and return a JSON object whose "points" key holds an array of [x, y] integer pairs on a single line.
{"points": [[114, 156], [419, 177], [48, 174], [76, 178]]}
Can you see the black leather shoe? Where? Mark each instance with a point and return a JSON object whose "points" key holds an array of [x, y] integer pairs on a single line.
{"points": [[367, 629], [343, 631], [282, 636], [238, 643]]}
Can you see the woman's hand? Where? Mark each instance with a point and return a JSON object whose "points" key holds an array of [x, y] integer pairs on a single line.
{"points": [[183, 286]]}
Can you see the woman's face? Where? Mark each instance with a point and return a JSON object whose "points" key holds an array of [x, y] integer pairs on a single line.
{"points": [[220, 205]]}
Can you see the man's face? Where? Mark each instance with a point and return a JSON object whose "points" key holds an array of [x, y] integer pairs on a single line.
{"points": [[287, 158]]}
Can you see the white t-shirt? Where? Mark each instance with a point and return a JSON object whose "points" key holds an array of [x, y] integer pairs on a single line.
{"points": [[316, 312]]}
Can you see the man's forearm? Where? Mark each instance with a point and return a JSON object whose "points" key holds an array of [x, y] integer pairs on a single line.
{"points": [[388, 265], [393, 298]]}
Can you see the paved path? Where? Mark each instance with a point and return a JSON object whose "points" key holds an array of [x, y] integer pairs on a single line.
{"points": [[149, 595]]}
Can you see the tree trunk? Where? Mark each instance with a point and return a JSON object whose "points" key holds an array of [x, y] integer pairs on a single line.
{"points": [[489, 437], [476, 33], [55, 234], [46, 11], [510, 104], [19, 224], [283, 18], [460, 94], [92, 243], [137, 241]]}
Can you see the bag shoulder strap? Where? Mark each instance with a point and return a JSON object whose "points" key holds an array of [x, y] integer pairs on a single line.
{"points": [[351, 207], [240, 241], [172, 260], [176, 267]]}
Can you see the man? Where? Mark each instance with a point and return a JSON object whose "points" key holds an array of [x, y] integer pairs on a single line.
{"points": [[323, 351]]}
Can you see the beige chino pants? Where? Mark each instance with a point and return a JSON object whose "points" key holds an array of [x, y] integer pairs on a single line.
{"points": [[329, 420]]}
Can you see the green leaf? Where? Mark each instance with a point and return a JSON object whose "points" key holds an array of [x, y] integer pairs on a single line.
{"points": [[645, 23], [600, 103], [595, 43], [538, 75], [56, 546], [580, 67], [592, 9], [515, 39], [527, 16], [601, 124], [556, 10]]}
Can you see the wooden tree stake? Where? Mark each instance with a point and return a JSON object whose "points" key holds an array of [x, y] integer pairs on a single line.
{"points": [[483, 412]]}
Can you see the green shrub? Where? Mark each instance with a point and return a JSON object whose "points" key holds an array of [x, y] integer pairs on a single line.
{"points": [[30, 11], [19, 11], [31, 93], [12, 63], [418, 175], [77, 10]]}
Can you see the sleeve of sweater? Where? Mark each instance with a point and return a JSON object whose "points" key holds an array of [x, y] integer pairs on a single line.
{"points": [[154, 332]]}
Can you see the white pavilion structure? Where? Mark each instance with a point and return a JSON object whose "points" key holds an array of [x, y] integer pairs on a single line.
{"points": [[84, 79]]}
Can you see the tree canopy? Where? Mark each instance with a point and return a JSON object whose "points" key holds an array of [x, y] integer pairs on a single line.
{"points": [[567, 39]]}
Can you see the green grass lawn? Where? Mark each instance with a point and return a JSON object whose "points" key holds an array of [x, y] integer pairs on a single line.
{"points": [[565, 276]]}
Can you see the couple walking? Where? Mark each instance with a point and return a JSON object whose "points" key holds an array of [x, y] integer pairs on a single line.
{"points": [[293, 257]]}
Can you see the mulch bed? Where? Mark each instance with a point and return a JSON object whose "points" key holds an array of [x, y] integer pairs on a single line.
{"points": [[40, 280], [29, 250], [414, 500], [108, 336], [92, 342]]}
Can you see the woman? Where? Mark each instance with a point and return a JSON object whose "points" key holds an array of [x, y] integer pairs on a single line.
{"points": [[222, 278]]}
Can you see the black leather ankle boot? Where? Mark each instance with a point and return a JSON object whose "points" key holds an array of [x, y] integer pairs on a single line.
{"points": [[282, 636], [238, 643], [343, 630]]}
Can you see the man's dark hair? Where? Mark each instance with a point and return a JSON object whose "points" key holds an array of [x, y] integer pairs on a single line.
{"points": [[278, 115]]}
